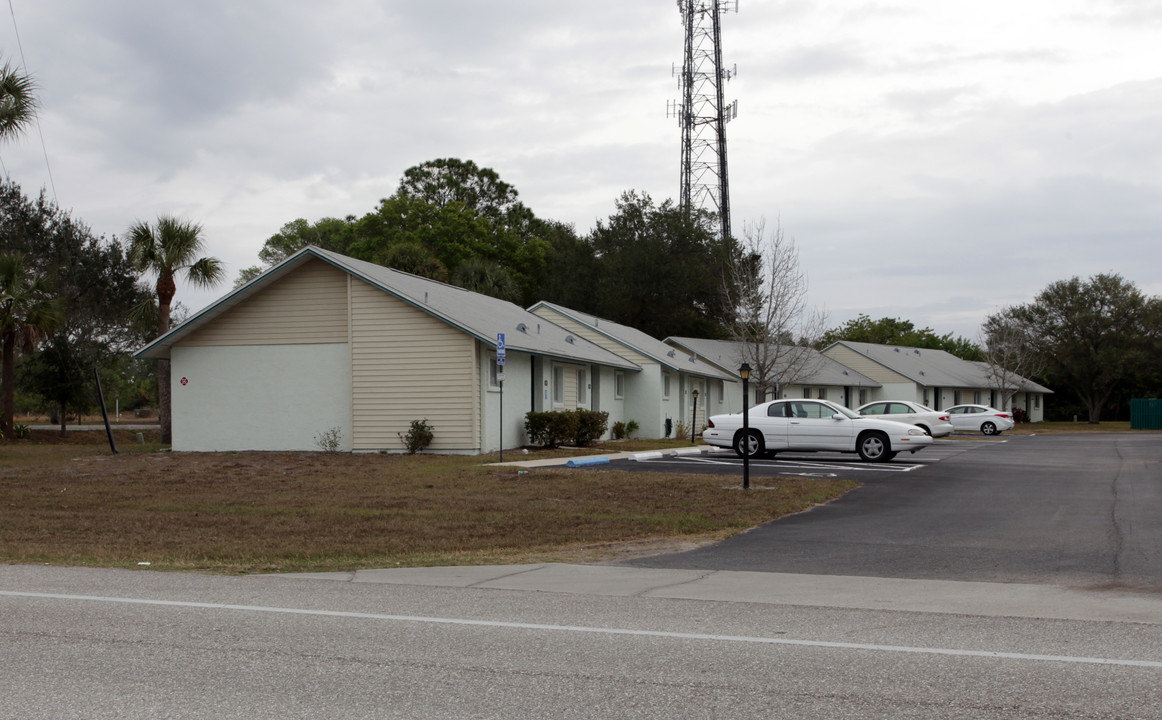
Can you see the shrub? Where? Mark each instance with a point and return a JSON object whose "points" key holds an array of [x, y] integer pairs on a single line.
{"points": [[681, 432], [330, 440], [418, 437], [579, 427], [618, 430], [1020, 416], [630, 428]]}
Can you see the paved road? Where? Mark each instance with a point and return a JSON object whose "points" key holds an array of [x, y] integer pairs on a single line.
{"points": [[614, 643], [1071, 510], [840, 634]]}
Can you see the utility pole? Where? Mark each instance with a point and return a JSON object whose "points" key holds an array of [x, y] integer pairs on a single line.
{"points": [[702, 113]]}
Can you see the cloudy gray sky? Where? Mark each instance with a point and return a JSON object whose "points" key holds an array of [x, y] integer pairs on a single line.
{"points": [[933, 161]]}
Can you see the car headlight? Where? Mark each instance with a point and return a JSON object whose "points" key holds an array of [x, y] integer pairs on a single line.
{"points": [[916, 431]]}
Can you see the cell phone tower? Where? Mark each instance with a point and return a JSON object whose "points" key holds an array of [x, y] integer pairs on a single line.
{"points": [[702, 114]]}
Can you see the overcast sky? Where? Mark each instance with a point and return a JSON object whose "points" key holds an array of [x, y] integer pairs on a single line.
{"points": [[933, 161]]}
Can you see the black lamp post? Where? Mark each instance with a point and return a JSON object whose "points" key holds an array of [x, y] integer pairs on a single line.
{"points": [[744, 373], [694, 416]]}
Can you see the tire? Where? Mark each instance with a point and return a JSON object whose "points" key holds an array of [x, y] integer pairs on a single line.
{"points": [[925, 429], [754, 448], [874, 447], [989, 428]]}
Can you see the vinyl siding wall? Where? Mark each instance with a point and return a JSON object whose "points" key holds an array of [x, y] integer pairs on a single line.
{"points": [[309, 305], [406, 365], [865, 366]]}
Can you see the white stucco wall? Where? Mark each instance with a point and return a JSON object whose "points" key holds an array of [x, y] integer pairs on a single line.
{"points": [[260, 397]]}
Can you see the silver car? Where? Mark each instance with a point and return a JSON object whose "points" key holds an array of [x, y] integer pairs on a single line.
{"points": [[813, 425], [934, 422]]}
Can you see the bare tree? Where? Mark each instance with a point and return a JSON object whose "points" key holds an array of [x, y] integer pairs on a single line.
{"points": [[773, 323], [1008, 354]]}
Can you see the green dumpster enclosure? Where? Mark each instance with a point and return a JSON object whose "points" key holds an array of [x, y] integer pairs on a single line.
{"points": [[1145, 414]]}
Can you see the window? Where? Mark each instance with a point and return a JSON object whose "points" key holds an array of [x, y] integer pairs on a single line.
{"points": [[777, 410], [1037, 402], [666, 386], [926, 402], [863, 397], [721, 391], [493, 372], [619, 385], [559, 385], [822, 393], [976, 397], [807, 392], [955, 397], [582, 388]]}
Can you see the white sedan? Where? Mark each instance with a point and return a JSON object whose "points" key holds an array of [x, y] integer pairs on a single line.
{"points": [[813, 425], [934, 422], [980, 418]]}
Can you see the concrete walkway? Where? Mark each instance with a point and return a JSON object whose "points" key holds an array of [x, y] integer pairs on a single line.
{"points": [[589, 459]]}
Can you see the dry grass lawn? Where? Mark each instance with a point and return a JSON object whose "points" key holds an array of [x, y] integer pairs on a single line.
{"points": [[70, 501]]}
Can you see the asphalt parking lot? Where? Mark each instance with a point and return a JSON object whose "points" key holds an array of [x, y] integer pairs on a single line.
{"points": [[804, 464], [1068, 510]]}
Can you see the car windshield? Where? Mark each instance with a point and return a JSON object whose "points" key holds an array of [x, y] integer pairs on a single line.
{"points": [[845, 411]]}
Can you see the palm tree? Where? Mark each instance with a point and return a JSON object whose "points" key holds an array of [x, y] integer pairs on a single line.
{"points": [[17, 102], [169, 249], [27, 312]]}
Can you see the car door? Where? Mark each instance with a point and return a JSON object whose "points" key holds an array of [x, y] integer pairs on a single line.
{"points": [[812, 426], [902, 413], [959, 419], [773, 425]]}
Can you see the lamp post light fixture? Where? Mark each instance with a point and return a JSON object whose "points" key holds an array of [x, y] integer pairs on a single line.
{"points": [[694, 416], [744, 373]]}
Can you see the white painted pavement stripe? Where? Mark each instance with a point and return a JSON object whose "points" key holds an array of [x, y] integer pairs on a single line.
{"points": [[599, 630]]}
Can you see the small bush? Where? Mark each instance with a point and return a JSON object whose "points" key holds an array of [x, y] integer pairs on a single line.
{"points": [[681, 432], [21, 432], [1019, 415], [330, 440], [630, 428], [618, 430], [418, 437]]}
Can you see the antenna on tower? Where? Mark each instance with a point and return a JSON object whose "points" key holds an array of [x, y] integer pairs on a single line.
{"points": [[702, 114]]}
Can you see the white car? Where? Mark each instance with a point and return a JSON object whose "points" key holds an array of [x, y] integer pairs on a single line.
{"points": [[980, 418], [933, 422], [813, 425]]}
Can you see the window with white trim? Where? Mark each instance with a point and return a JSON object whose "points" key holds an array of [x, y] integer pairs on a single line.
{"points": [[618, 385], [493, 372], [822, 393], [558, 385], [666, 386], [721, 391], [582, 388]]}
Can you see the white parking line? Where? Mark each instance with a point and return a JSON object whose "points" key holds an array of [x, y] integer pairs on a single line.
{"points": [[809, 464], [600, 630]]}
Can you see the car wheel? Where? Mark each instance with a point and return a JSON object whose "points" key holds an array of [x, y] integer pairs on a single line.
{"points": [[874, 447], [749, 444], [925, 429], [988, 428]]}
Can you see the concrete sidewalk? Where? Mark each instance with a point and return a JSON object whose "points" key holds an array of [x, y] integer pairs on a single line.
{"points": [[869, 593], [640, 455]]}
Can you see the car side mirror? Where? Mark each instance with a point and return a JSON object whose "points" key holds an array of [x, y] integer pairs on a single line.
{"points": [[838, 416]]}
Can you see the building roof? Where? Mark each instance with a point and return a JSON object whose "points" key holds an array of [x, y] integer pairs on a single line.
{"points": [[934, 368], [480, 316], [729, 355], [638, 341]]}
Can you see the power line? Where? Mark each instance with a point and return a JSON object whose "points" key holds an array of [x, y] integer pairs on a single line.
{"points": [[39, 131]]}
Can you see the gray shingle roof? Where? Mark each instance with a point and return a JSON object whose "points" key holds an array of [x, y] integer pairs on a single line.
{"points": [[729, 356], [932, 368], [642, 343], [478, 315]]}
